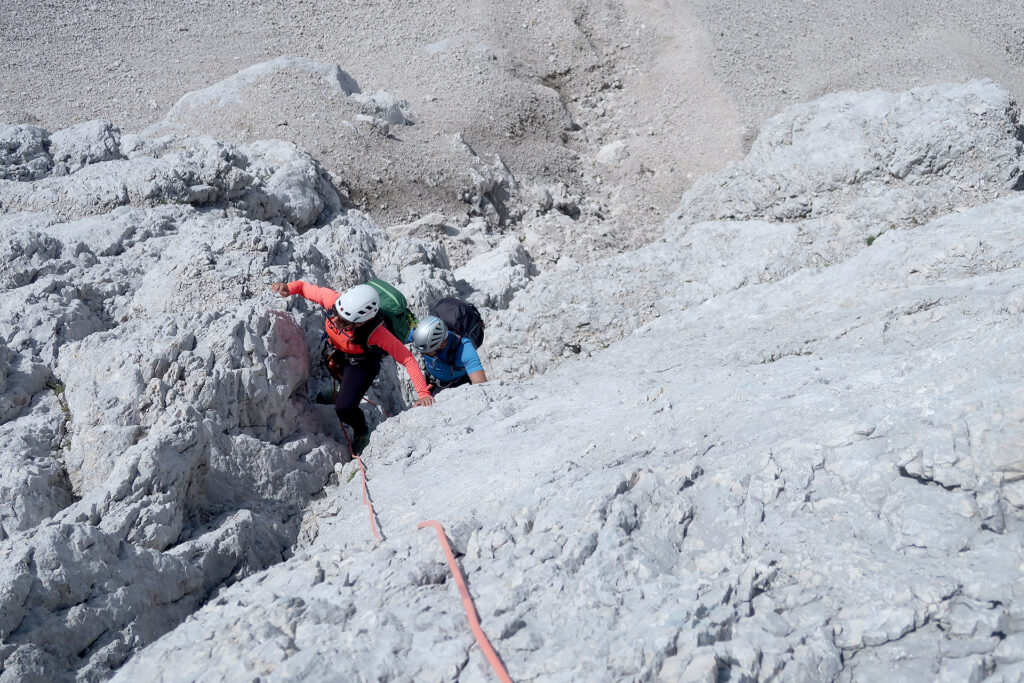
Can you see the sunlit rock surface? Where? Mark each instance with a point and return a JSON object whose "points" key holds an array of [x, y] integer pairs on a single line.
{"points": [[782, 442]]}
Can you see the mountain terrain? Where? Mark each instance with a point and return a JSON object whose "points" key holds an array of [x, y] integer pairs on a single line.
{"points": [[752, 286]]}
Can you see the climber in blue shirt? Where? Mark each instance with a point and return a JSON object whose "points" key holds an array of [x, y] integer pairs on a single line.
{"points": [[450, 360]]}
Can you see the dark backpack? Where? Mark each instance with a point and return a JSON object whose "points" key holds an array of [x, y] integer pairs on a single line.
{"points": [[394, 309], [461, 317]]}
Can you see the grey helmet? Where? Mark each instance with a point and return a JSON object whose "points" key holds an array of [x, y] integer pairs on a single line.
{"points": [[358, 304], [429, 334]]}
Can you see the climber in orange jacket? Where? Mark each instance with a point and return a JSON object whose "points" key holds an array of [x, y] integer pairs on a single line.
{"points": [[356, 328]]}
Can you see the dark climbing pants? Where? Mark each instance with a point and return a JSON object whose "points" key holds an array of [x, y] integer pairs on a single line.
{"points": [[355, 380]]}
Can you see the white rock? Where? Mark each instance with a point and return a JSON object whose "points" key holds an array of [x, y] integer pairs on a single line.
{"points": [[224, 93], [386, 107], [611, 153], [493, 278], [762, 438], [86, 143], [23, 152], [701, 669]]}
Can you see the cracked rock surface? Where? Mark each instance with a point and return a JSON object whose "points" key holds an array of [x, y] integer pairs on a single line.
{"points": [[158, 439], [796, 459], [753, 303]]}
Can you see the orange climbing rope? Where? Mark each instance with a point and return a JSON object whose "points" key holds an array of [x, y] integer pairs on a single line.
{"points": [[467, 602], [366, 493], [377, 406]]}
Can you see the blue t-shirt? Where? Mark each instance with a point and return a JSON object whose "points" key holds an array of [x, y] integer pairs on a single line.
{"points": [[448, 365]]}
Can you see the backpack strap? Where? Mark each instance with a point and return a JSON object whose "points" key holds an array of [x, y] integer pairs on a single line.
{"points": [[452, 350], [360, 337]]}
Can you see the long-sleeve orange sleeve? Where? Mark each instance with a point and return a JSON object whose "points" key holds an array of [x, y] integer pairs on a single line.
{"points": [[325, 296], [383, 339]]}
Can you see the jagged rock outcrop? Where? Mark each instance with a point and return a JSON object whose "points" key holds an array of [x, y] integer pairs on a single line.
{"points": [[845, 153], [723, 491], [272, 181], [87, 143], [392, 159], [158, 437], [24, 152], [491, 279]]}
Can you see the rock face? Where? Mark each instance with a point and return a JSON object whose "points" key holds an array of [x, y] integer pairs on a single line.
{"points": [[273, 181], [823, 181], [24, 152], [780, 443], [230, 90], [76, 147], [157, 437], [846, 154]]}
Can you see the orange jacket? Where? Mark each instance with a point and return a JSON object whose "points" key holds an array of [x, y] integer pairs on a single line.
{"points": [[380, 337]]}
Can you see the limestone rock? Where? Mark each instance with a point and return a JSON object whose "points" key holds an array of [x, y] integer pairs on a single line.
{"points": [[228, 91], [760, 448], [490, 188], [266, 181], [729, 487], [386, 107], [86, 143], [976, 144], [24, 152], [493, 278], [157, 440], [881, 158]]}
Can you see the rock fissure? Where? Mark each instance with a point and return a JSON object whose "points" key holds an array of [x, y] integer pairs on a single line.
{"points": [[926, 480]]}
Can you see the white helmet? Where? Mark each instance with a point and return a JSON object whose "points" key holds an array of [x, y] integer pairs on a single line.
{"points": [[358, 304], [429, 334]]}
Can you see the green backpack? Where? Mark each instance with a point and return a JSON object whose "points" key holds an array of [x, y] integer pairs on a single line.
{"points": [[395, 309]]}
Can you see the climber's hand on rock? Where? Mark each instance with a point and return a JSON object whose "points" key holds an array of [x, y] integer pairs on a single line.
{"points": [[280, 288], [425, 401]]}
